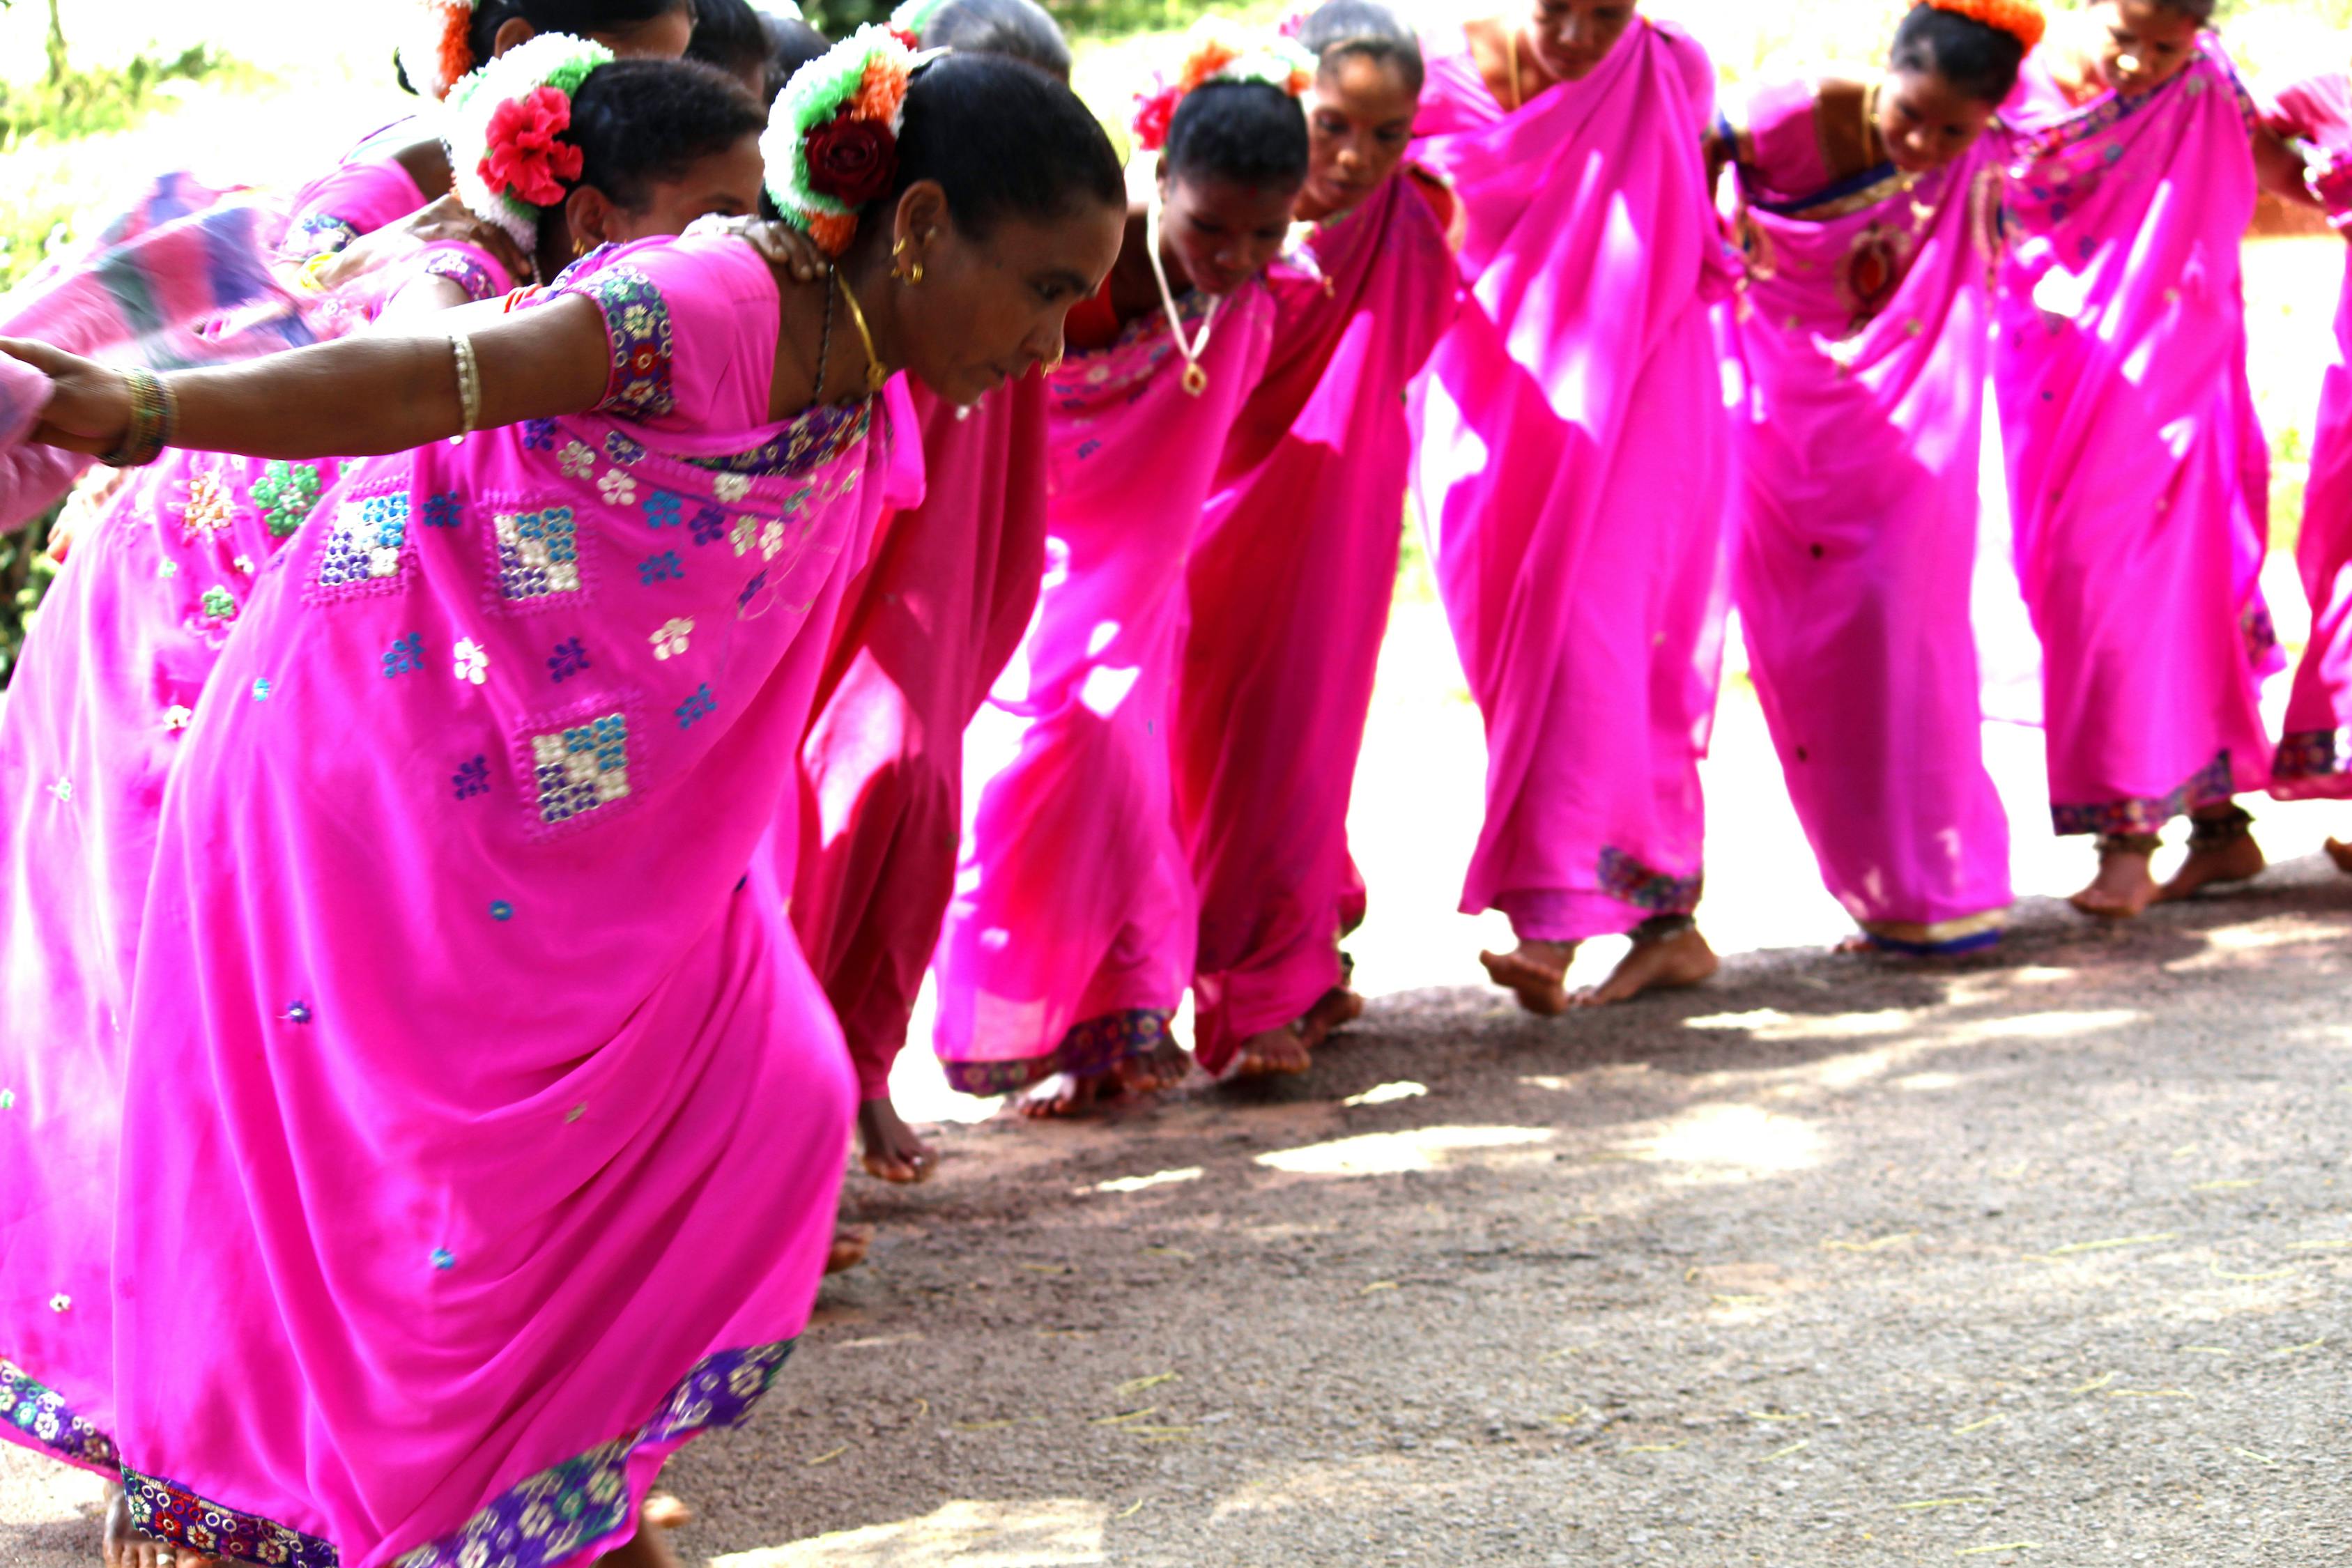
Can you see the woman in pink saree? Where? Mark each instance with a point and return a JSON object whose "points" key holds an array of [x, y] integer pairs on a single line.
{"points": [[924, 633], [494, 752], [2312, 762], [1868, 210], [2137, 472], [1069, 940], [1290, 582], [1572, 470]]}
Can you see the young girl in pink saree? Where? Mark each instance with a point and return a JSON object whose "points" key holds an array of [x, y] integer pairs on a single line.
{"points": [[1289, 584], [1069, 940], [492, 755], [1861, 336], [2137, 472], [2312, 761], [924, 632], [1572, 472]]}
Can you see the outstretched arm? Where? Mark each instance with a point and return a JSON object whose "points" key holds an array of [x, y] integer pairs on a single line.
{"points": [[355, 397]]}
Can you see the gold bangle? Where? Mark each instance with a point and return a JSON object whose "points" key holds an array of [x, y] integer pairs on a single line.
{"points": [[469, 383], [153, 412]]}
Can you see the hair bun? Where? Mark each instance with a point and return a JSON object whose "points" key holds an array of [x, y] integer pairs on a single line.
{"points": [[2021, 19]]}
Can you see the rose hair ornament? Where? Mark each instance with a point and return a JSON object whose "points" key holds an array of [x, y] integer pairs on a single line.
{"points": [[508, 158], [1214, 51]]}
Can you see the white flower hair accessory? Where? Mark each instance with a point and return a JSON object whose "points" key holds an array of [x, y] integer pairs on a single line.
{"points": [[1217, 50], [509, 160], [438, 50]]}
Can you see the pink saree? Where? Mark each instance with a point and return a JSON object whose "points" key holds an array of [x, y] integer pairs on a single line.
{"points": [[1069, 940], [925, 630], [2312, 755], [518, 1096], [1289, 588], [1572, 472], [2137, 472], [1861, 336]]}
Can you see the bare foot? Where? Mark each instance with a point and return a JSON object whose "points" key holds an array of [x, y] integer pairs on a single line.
{"points": [[1338, 1008], [1661, 963], [128, 1547], [2235, 858], [1164, 1065], [1537, 974], [889, 1147], [646, 1548], [2341, 853], [1272, 1053], [2122, 890], [850, 1243]]}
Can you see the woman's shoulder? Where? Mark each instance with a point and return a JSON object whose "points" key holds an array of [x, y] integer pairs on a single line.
{"points": [[1690, 56]]}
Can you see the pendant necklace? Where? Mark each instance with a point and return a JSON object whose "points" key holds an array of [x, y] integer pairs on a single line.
{"points": [[1196, 380]]}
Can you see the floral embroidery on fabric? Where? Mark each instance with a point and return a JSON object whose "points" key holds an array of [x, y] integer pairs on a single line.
{"points": [[43, 1413], [286, 493], [218, 605], [809, 442], [1089, 381], [638, 324], [465, 272], [405, 655], [2208, 785], [577, 459], [617, 487], [1094, 1046], [709, 524], [750, 591], [321, 234], [447, 510], [581, 768], [1624, 878], [472, 778], [669, 639], [556, 1514], [697, 706], [169, 1511], [473, 661], [569, 659], [209, 510], [623, 449], [2309, 755], [539, 552], [664, 509], [365, 543], [731, 488], [661, 568], [2260, 635], [538, 434]]}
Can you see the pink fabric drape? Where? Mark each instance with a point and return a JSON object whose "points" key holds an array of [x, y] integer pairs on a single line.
{"points": [[925, 630], [1860, 342], [2313, 753], [466, 1016], [2137, 472], [1572, 470], [1289, 588], [1069, 940]]}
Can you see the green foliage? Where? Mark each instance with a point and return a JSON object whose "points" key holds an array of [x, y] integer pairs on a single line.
{"points": [[72, 103], [25, 573]]}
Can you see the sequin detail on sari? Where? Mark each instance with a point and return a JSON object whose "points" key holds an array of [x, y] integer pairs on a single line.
{"points": [[1624, 878], [638, 324], [42, 1413]]}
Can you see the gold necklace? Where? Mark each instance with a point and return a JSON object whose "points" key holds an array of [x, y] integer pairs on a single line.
{"points": [[877, 375], [1196, 380]]}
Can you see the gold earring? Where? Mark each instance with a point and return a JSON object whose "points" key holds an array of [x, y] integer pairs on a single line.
{"points": [[912, 273]]}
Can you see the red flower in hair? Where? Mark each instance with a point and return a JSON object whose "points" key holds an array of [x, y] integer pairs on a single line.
{"points": [[852, 161], [908, 38], [1153, 116], [526, 156]]}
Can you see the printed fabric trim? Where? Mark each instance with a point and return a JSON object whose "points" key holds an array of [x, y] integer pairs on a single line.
{"points": [[2208, 785], [320, 234], [539, 1523], [637, 325], [2309, 755], [469, 271], [42, 1414], [812, 439], [1626, 879], [1089, 1049]]}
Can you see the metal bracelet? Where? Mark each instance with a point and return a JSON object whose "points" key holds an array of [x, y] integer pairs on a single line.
{"points": [[469, 383], [153, 413]]}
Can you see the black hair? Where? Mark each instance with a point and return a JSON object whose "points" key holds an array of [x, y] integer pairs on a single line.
{"points": [[1004, 140], [1339, 28], [727, 35], [1018, 28], [2198, 11], [1246, 131], [1979, 60], [640, 122], [578, 18], [791, 44]]}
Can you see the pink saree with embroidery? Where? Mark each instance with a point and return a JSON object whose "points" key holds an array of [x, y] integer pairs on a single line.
{"points": [[925, 631], [1069, 940], [522, 1105], [2314, 755], [1289, 587], [1859, 337], [1572, 472], [2137, 472]]}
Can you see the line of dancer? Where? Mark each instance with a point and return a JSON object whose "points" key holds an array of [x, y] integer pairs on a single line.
{"points": [[568, 620]]}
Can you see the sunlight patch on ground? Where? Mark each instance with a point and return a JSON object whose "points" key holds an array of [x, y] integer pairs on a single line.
{"points": [[2053, 1026], [1386, 1094], [1389, 1153], [1929, 1082], [1771, 1024], [1744, 1139], [1137, 1184], [1057, 1532]]}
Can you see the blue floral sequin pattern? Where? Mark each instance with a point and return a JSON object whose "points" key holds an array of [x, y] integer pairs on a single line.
{"points": [[569, 657], [365, 543], [581, 768], [539, 552]]}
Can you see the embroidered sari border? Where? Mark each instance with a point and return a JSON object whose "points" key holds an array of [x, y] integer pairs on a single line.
{"points": [[1090, 1049]]}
